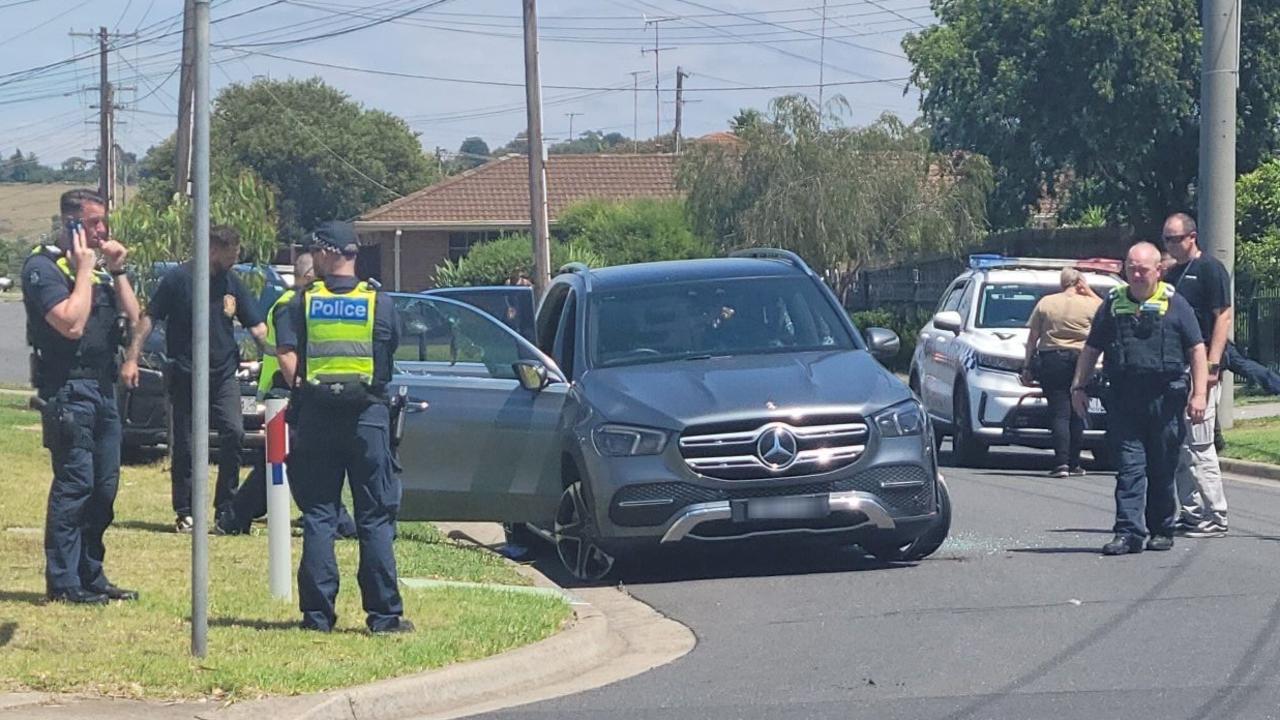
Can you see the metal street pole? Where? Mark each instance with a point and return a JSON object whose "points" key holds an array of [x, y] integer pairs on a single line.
{"points": [[1217, 178], [200, 340], [537, 155], [635, 108]]}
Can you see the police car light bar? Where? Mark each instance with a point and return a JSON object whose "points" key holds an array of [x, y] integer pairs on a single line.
{"points": [[988, 261]]}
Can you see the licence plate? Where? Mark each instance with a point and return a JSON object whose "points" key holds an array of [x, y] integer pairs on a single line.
{"points": [[788, 508], [248, 405], [1095, 406]]}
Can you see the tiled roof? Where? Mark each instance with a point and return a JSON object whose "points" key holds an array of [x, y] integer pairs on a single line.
{"points": [[498, 191]]}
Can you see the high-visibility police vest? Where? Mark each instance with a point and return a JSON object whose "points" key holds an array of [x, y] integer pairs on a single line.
{"points": [[1144, 345], [270, 364], [94, 353], [339, 346]]}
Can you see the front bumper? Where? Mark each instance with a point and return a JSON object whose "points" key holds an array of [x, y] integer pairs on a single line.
{"points": [[890, 489], [1006, 412]]}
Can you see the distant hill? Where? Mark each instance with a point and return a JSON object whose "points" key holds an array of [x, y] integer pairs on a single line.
{"points": [[26, 210]]}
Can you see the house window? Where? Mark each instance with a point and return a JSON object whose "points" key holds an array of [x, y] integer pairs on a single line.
{"points": [[460, 243]]}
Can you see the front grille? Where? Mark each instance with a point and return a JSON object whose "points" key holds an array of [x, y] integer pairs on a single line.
{"points": [[740, 450], [904, 490]]}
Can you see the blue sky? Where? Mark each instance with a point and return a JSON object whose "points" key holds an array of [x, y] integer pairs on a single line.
{"points": [[727, 46]]}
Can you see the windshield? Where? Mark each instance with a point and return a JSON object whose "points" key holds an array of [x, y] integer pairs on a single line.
{"points": [[1009, 305], [740, 316]]}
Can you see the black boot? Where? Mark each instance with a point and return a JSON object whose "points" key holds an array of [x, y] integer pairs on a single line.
{"points": [[1123, 545]]}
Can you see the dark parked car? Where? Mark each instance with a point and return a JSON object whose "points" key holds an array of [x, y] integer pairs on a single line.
{"points": [[144, 411], [665, 404]]}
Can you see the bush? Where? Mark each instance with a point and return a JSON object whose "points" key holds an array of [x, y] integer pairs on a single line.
{"points": [[905, 321], [631, 232], [493, 262]]}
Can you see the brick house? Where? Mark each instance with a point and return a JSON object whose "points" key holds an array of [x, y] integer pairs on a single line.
{"points": [[405, 240]]}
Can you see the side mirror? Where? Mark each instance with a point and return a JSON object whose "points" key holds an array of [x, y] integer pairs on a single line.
{"points": [[533, 375], [948, 320], [883, 344]]}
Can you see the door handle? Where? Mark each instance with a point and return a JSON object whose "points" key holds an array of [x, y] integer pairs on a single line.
{"points": [[416, 405]]}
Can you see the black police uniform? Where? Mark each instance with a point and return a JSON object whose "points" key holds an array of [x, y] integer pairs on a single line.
{"points": [[1145, 361], [81, 422], [337, 437]]}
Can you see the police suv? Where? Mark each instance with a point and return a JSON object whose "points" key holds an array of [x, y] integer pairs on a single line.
{"points": [[969, 356]]}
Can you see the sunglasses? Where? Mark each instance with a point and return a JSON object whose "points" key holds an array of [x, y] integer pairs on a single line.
{"points": [[1176, 238]]}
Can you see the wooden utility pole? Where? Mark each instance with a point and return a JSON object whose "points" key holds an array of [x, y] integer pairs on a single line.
{"points": [[182, 155], [106, 129], [537, 155], [635, 109], [571, 116], [680, 76]]}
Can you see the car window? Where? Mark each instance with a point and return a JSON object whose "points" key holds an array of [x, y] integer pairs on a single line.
{"points": [[1009, 305], [549, 315], [952, 300], [567, 336], [966, 300], [738, 316], [453, 338], [513, 307]]}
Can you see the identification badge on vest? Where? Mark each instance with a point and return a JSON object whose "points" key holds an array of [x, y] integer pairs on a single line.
{"points": [[339, 309], [229, 305]]}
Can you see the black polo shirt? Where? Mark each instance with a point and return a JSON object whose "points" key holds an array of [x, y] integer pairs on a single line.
{"points": [[1204, 284], [229, 300]]}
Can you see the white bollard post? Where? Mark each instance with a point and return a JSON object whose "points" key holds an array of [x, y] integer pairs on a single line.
{"points": [[279, 555]]}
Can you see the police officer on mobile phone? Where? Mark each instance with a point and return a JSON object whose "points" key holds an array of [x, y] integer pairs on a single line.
{"points": [[336, 350], [80, 305]]}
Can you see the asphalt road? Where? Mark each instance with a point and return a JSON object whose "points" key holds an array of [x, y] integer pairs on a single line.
{"points": [[13, 341], [1018, 616]]}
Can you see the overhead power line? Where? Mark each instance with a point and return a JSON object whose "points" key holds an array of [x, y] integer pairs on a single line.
{"points": [[500, 83]]}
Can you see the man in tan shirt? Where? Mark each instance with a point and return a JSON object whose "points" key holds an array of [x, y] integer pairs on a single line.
{"points": [[1058, 327]]}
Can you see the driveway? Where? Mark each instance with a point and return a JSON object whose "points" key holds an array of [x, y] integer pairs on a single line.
{"points": [[1018, 616]]}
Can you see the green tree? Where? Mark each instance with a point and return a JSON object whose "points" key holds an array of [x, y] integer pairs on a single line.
{"points": [[1105, 92], [1258, 229], [164, 234], [473, 152], [493, 262], [840, 197], [323, 154], [631, 232]]}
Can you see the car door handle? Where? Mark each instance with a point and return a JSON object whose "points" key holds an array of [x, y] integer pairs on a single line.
{"points": [[416, 405]]}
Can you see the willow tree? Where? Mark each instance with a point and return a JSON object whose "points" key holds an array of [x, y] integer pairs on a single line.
{"points": [[842, 197]]}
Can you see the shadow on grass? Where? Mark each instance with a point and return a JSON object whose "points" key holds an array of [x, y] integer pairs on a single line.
{"points": [[273, 625], [20, 596], [144, 526], [6, 633]]}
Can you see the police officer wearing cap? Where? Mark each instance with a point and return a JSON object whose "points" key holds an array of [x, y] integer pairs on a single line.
{"points": [[250, 500], [75, 326], [336, 351], [1147, 336]]}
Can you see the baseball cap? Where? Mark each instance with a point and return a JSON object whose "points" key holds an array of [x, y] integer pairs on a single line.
{"points": [[335, 236]]}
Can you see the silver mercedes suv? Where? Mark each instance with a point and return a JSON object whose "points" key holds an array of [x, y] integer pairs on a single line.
{"points": [[665, 403]]}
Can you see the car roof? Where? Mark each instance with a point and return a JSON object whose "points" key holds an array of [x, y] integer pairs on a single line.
{"points": [[481, 289], [1038, 277], [674, 271]]}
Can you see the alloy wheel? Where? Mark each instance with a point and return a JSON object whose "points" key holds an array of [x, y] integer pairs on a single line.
{"points": [[575, 540]]}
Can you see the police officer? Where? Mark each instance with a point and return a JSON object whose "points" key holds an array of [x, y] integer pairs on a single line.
{"points": [[250, 500], [1147, 336], [75, 327], [336, 351]]}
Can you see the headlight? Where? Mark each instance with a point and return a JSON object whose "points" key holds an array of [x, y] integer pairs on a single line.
{"points": [[624, 440], [901, 420], [1000, 362]]}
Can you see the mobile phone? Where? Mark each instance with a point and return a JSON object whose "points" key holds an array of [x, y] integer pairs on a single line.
{"points": [[73, 226]]}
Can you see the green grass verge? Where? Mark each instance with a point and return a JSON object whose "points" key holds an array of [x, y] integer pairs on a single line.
{"points": [[1257, 440], [142, 649]]}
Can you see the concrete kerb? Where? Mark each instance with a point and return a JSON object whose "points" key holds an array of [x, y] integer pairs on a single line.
{"points": [[1256, 470]]}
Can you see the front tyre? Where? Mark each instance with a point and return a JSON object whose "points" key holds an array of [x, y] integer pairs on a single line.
{"points": [[576, 539], [967, 449], [923, 546]]}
